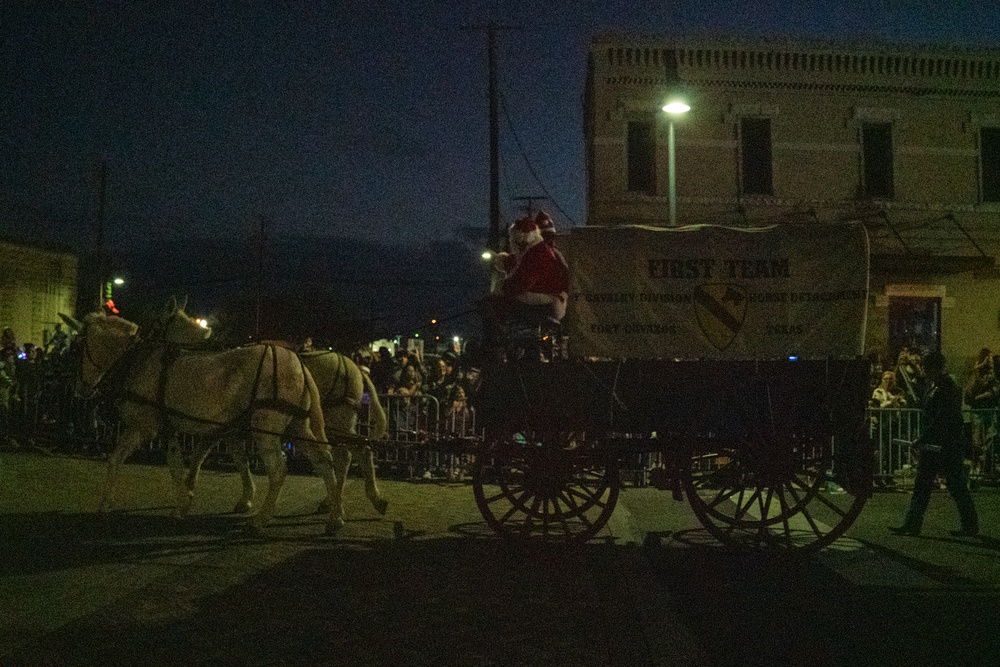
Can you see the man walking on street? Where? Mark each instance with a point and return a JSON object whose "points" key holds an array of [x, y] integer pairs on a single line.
{"points": [[942, 451]]}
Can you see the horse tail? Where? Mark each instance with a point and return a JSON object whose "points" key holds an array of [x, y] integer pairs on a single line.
{"points": [[379, 420], [317, 424]]}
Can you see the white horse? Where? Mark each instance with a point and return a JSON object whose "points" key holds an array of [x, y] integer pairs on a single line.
{"points": [[262, 390], [341, 385]]}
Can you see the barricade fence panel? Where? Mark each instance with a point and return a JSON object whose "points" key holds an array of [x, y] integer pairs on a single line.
{"points": [[893, 431], [424, 438], [429, 440]]}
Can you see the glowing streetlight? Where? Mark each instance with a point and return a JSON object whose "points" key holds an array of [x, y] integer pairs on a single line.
{"points": [[673, 108]]}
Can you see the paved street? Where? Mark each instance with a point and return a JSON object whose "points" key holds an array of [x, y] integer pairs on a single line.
{"points": [[429, 584]]}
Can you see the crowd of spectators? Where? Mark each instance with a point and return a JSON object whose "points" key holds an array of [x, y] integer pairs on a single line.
{"points": [[423, 393], [33, 383], [902, 388]]}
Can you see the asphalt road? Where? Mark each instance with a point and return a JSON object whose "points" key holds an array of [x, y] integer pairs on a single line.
{"points": [[428, 584]]}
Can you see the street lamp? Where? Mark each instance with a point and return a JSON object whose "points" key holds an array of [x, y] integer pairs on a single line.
{"points": [[673, 108]]}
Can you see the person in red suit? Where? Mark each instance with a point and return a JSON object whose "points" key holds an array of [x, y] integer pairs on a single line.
{"points": [[536, 279]]}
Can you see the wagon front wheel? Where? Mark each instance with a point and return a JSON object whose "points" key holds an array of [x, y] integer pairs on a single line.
{"points": [[549, 487]]}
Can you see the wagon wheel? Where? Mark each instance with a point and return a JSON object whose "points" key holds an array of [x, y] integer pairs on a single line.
{"points": [[552, 487], [758, 485]]}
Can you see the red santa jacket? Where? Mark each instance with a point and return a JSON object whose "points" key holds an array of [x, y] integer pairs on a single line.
{"points": [[540, 271]]}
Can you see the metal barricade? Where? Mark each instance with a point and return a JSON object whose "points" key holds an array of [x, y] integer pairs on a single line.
{"points": [[427, 441], [983, 424], [420, 443], [892, 430]]}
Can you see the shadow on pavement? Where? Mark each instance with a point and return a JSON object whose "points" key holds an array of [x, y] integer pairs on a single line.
{"points": [[403, 601]]}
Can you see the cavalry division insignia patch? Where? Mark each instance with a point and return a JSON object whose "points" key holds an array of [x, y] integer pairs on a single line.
{"points": [[721, 310]]}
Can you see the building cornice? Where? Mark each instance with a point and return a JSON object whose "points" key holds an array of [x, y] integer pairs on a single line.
{"points": [[811, 86], [869, 47], [790, 65]]}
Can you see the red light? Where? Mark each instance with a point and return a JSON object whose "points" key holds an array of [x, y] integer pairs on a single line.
{"points": [[110, 305]]}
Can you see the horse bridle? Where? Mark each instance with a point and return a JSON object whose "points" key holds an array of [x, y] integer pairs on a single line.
{"points": [[88, 356]]}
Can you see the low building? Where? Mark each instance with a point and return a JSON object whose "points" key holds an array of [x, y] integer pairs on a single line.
{"points": [[36, 284], [905, 139]]}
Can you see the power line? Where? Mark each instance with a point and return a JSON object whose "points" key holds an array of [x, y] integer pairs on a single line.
{"points": [[527, 162]]}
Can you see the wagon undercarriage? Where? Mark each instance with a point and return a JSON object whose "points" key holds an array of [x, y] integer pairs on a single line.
{"points": [[770, 455]]}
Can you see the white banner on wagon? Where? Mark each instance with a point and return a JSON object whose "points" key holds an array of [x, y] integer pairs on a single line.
{"points": [[715, 292]]}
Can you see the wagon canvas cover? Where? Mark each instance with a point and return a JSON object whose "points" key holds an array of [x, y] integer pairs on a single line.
{"points": [[716, 292]]}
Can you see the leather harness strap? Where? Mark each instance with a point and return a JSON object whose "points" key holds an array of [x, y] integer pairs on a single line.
{"points": [[273, 402], [333, 397]]}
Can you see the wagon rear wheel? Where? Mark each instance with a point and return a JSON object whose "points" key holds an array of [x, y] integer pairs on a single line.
{"points": [[551, 487], [758, 486]]}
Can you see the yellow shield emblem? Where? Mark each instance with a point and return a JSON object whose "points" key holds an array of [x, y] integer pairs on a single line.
{"points": [[721, 310]]}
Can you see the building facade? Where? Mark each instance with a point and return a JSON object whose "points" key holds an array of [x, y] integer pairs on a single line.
{"points": [[36, 284], [905, 139]]}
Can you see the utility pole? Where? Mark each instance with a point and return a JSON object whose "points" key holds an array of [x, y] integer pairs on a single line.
{"points": [[494, 240], [102, 258], [496, 232], [261, 272]]}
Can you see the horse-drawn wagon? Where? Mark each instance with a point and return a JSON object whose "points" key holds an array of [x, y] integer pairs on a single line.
{"points": [[726, 364], [729, 360]]}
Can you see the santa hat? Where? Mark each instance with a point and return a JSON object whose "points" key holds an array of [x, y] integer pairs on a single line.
{"points": [[545, 224], [525, 232]]}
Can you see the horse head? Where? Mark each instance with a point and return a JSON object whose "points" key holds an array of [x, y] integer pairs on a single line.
{"points": [[105, 338], [176, 327]]}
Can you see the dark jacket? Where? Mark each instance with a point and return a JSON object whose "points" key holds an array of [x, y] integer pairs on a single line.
{"points": [[944, 426]]}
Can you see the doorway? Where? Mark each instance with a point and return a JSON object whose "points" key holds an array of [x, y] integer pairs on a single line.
{"points": [[914, 322]]}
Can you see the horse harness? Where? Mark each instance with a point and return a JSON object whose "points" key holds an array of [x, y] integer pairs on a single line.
{"points": [[331, 398], [272, 401]]}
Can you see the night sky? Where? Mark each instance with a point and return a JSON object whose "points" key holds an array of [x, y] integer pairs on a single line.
{"points": [[343, 117]]}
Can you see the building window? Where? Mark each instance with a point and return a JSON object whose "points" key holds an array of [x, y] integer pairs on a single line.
{"points": [[876, 147], [914, 322], [641, 158], [989, 156], [755, 156]]}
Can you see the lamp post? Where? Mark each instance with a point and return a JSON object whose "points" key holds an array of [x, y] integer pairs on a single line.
{"points": [[673, 108]]}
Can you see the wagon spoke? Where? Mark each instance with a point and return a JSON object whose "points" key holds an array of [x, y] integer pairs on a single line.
{"points": [[812, 523], [832, 505], [585, 494], [569, 500], [508, 514], [785, 513], [741, 508], [561, 516], [723, 495], [765, 505]]}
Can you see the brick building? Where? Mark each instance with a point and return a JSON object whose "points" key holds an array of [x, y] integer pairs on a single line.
{"points": [[903, 138]]}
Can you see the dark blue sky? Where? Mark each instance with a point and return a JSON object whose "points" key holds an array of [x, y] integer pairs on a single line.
{"points": [[366, 118]]}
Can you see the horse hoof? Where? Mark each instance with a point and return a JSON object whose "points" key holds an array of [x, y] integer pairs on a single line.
{"points": [[333, 527], [254, 529], [242, 507], [381, 505]]}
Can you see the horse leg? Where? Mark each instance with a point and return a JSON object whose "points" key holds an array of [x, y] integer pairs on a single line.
{"points": [[242, 460], [277, 469], [183, 485], [324, 463], [127, 442], [366, 457]]}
